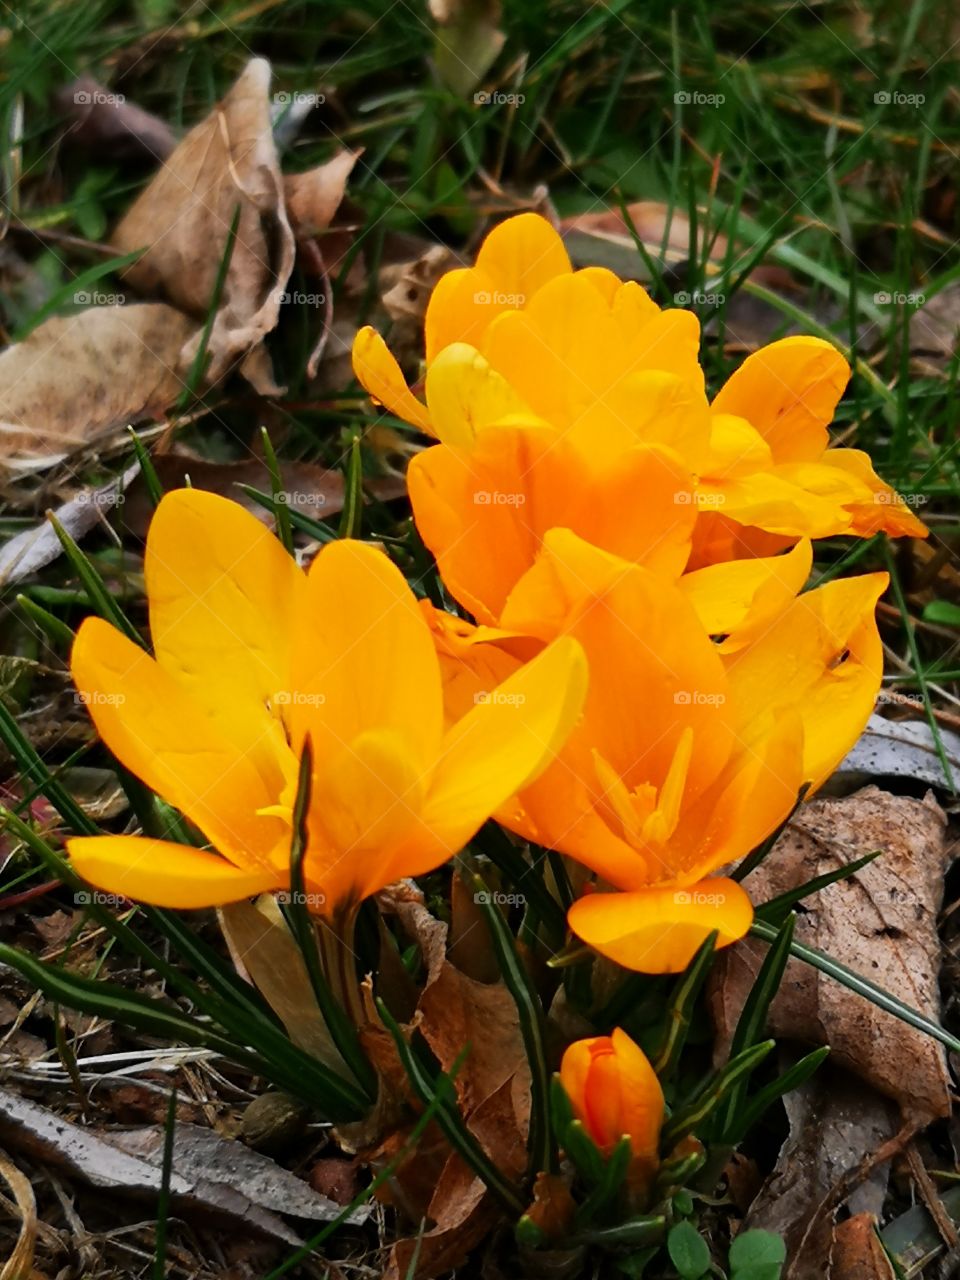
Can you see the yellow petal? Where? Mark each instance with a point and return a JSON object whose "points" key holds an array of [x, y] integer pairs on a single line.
{"points": [[223, 597], [515, 260], [465, 394], [378, 372], [767, 500], [738, 599], [363, 657], [163, 736], [522, 254], [505, 741], [823, 657], [736, 449], [659, 930], [883, 509], [165, 874], [789, 391]]}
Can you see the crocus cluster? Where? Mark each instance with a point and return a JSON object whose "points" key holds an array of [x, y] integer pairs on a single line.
{"points": [[642, 683], [583, 485]]}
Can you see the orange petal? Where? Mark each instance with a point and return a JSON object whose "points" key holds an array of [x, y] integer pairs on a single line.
{"points": [[659, 930], [165, 874], [789, 391], [741, 597]]}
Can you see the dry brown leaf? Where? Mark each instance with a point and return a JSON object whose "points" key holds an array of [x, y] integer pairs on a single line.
{"points": [[857, 1253], [263, 950], [315, 196], [462, 1214], [107, 123], [881, 923], [183, 221], [78, 377], [309, 489]]}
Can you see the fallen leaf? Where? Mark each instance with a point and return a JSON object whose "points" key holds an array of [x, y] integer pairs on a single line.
{"points": [[899, 749], [881, 922], [76, 378], [110, 125], [336, 1179], [836, 1125], [34, 549], [462, 1214], [264, 952], [212, 1177], [857, 1251], [313, 197], [935, 324], [183, 221], [468, 41]]}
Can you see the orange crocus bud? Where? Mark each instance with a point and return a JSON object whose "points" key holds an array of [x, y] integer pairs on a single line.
{"points": [[615, 1093]]}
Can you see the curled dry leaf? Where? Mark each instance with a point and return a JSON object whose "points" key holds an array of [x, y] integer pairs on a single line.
{"points": [[881, 923], [315, 196], [183, 221], [111, 125], [76, 378]]}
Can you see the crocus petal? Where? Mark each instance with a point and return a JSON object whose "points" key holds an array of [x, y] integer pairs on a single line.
{"points": [[789, 391], [465, 394], [165, 874], [163, 736], [659, 930], [742, 596], [223, 597], [735, 449], [505, 741], [642, 1095], [884, 509], [516, 259], [823, 656], [772, 502], [363, 657], [378, 372]]}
